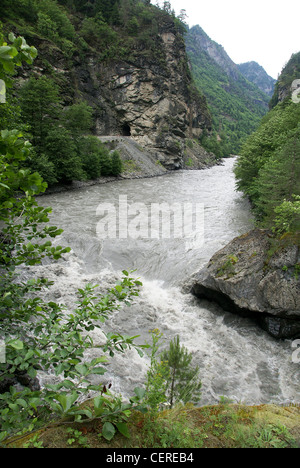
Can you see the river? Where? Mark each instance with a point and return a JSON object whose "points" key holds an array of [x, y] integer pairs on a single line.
{"points": [[236, 358]]}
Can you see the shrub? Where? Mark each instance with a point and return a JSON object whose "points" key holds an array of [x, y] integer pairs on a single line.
{"points": [[116, 164], [287, 216]]}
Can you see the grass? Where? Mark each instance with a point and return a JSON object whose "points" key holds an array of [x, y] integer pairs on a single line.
{"points": [[219, 426], [130, 166]]}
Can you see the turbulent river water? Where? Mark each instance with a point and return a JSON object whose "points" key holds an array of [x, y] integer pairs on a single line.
{"points": [[236, 358]]}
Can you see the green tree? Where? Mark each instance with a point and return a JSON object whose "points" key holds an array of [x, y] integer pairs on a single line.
{"points": [[279, 178], [41, 106], [90, 150], [116, 164], [274, 131], [58, 18], [41, 163], [133, 26], [105, 163], [62, 152], [54, 131], [10, 113], [287, 219], [25, 8], [96, 31], [183, 384], [78, 118], [157, 375], [46, 26]]}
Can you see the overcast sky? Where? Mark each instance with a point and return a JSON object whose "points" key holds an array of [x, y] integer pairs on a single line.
{"points": [[266, 31]]}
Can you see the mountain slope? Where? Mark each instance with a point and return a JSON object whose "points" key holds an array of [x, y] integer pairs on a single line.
{"points": [[236, 104], [125, 59], [283, 87], [257, 75], [268, 169]]}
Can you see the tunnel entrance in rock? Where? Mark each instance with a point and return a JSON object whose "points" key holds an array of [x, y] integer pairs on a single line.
{"points": [[126, 130]]}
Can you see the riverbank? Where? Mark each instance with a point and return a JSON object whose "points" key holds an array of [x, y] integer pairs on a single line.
{"points": [[256, 275], [139, 163], [219, 426], [238, 359]]}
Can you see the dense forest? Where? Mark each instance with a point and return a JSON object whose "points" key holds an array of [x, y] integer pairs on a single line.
{"points": [[268, 170]]}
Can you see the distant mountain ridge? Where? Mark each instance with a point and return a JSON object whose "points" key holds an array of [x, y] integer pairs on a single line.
{"points": [[215, 51], [237, 105], [256, 74]]}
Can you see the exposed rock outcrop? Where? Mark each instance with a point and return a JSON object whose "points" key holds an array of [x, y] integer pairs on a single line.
{"points": [[256, 276], [148, 98]]}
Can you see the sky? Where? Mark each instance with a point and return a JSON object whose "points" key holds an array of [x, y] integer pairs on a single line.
{"points": [[264, 31]]}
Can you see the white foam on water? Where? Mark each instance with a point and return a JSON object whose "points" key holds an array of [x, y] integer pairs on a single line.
{"points": [[236, 358]]}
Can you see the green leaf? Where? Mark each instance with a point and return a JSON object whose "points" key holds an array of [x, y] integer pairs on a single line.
{"points": [[82, 369], [3, 435], [66, 401], [98, 371], [108, 431], [35, 402], [99, 405], [12, 37], [122, 427], [16, 344], [140, 392]]}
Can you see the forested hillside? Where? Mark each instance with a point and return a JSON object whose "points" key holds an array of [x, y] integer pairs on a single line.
{"points": [[43, 105], [237, 105], [268, 170], [285, 80], [256, 74], [114, 67]]}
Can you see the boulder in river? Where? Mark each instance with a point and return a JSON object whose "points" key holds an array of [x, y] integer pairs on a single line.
{"points": [[256, 275]]}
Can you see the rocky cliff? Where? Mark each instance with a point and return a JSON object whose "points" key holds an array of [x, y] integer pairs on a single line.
{"points": [[148, 95], [147, 99], [256, 276]]}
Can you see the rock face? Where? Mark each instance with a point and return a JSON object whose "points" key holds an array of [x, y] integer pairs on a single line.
{"points": [[149, 98], [255, 277]]}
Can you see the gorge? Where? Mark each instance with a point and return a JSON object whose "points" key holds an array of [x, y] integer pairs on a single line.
{"points": [[128, 124], [237, 359]]}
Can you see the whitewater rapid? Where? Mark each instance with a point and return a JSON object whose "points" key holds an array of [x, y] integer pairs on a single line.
{"points": [[236, 358]]}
